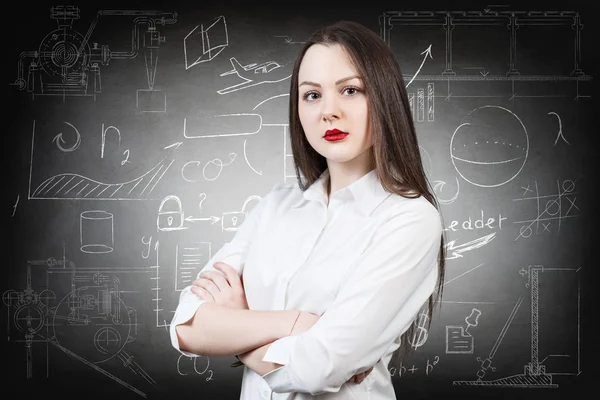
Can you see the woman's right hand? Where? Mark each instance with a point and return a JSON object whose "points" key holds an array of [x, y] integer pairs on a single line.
{"points": [[305, 321]]}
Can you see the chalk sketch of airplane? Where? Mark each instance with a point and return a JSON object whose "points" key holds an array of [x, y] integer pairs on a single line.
{"points": [[254, 74]]}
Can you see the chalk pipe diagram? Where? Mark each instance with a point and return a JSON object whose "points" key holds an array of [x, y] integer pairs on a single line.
{"points": [[93, 312], [449, 20], [66, 64]]}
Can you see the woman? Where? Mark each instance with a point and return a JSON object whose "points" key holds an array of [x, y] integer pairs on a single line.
{"points": [[321, 280]]}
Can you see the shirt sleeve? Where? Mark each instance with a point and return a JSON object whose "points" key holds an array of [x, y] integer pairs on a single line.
{"points": [[381, 296], [233, 253]]}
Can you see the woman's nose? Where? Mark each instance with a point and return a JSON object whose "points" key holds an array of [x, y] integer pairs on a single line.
{"points": [[330, 116], [330, 109]]}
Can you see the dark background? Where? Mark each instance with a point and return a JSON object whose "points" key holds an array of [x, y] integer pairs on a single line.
{"points": [[93, 270]]}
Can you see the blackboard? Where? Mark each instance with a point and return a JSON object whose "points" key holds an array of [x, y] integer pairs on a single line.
{"points": [[139, 135]]}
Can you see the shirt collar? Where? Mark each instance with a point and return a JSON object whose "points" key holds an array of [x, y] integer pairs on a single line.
{"points": [[366, 193]]}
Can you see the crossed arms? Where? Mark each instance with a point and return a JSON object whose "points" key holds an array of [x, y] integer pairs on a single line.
{"points": [[384, 291]]}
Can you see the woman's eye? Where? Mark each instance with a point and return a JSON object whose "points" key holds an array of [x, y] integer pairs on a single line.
{"points": [[348, 91], [310, 96], [351, 91]]}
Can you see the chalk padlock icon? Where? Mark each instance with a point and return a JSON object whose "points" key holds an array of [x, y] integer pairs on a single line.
{"points": [[230, 221], [170, 214]]}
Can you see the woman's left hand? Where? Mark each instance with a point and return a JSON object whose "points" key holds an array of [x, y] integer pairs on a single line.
{"points": [[225, 288]]}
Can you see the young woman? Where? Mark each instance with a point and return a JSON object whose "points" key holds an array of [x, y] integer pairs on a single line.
{"points": [[323, 280]]}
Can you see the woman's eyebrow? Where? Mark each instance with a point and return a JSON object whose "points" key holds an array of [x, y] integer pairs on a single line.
{"points": [[336, 83]]}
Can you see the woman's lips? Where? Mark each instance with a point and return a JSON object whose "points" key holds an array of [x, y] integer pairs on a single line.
{"points": [[333, 135]]}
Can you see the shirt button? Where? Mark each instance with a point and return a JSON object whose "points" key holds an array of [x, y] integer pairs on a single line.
{"points": [[265, 393]]}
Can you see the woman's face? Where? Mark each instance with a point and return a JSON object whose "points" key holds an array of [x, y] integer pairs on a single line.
{"points": [[332, 96]]}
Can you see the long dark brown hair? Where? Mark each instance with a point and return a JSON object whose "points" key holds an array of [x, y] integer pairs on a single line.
{"points": [[395, 147]]}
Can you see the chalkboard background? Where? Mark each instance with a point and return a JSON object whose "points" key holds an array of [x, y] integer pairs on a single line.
{"points": [[138, 136]]}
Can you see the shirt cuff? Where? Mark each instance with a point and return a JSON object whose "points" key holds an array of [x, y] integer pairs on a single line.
{"points": [[279, 351], [282, 379], [279, 380], [184, 313]]}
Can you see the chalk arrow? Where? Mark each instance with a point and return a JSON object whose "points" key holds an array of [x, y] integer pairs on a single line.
{"points": [[427, 52], [213, 219], [439, 185], [58, 139]]}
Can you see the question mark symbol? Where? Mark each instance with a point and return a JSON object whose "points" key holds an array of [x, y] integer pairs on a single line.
{"points": [[202, 198]]}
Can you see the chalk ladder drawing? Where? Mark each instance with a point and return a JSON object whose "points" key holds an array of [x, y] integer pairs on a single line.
{"points": [[78, 187], [534, 373]]}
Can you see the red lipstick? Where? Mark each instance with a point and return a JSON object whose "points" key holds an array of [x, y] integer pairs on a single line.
{"points": [[333, 135]]}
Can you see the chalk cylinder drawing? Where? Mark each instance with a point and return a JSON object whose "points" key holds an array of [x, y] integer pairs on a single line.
{"points": [[96, 232]]}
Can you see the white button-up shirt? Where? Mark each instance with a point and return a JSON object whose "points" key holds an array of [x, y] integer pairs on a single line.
{"points": [[366, 263]]}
